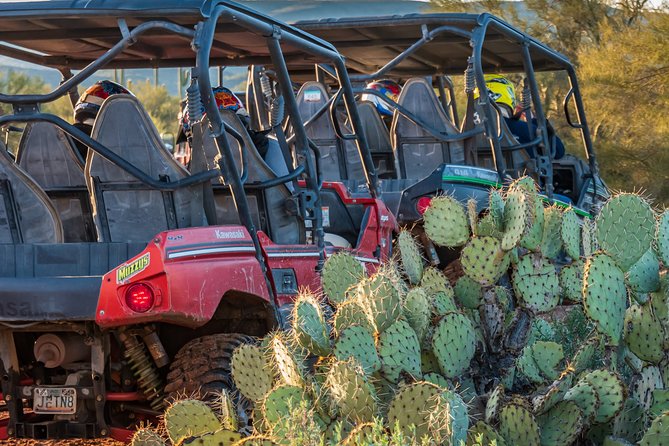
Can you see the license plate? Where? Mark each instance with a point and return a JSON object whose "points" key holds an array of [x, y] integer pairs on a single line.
{"points": [[55, 400]]}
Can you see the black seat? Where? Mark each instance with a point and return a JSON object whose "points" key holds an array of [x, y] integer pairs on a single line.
{"points": [[26, 213], [378, 140], [268, 206], [125, 209], [417, 151], [339, 159], [51, 158]]}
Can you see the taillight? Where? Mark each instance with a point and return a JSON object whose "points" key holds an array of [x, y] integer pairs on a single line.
{"points": [[422, 204], [139, 298]]}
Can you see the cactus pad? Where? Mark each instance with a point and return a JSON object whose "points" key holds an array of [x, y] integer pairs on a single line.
{"points": [[662, 236], [548, 355], [534, 234], [658, 432], [583, 356], [561, 425], [340, 272], [288, 365], [516, 220], [630, 423], [358, 343], [187, 418], [434, 281], [625, 228], [311, 330], [570, 233], [281, 401], [350, 391], [380, 299], [644, 333], [551, 239], [493, 404], [610, 391], [362, 434], [146, 437], [528, 366], [605, 296], [485, 433], [536, 282], [583, 394], [417, 311], [496, 209], [256, 440], [351, 313], [468, 292], [221, 437], [445, 222], [644, 384], [454, 344], [644, 275], [448, 419], [412, 406], [588, 241], [399, 351], [412, 261], [571, 281], [553, 394], [518, 426], [484, 261]]}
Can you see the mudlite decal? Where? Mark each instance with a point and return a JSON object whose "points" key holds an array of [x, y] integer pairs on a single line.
{"points": [[133, 268]]}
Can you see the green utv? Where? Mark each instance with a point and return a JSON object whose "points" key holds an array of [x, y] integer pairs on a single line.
{"points": [[428, 148]]}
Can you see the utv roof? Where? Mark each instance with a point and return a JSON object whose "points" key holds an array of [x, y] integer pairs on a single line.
{"points": [[74, 33], [369, 43]]}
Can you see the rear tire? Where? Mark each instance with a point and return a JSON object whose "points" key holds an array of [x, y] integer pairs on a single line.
{"points": [[203, 367]]}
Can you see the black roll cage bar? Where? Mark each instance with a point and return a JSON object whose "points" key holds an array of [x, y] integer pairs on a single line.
{"points": [[26, 109], [476, 37]]}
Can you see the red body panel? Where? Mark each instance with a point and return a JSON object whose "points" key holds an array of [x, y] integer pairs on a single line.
{"points": [[190, 270]]}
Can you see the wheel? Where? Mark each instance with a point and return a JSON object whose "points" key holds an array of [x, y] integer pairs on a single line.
{"points": [[203, 367]]}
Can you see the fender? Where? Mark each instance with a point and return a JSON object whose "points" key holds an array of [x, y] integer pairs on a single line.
{"points": [[188, 271]]}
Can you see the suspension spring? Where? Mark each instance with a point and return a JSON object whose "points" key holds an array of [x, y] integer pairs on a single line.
{"points": [[144, 369], [266, 86], [470, 77], [194, 101], [526, 99]]}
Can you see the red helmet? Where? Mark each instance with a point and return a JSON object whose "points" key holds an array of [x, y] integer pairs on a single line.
{"points": [[89, 102], [387, 87], [225, 100]]}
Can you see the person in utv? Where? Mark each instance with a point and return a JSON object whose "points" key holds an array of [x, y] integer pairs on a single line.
{"points": [[501, 90], [268, 148], [87, 107]]}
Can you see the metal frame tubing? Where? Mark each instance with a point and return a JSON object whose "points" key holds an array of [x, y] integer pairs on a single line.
{"points": [[129, 37], [580, 114]]}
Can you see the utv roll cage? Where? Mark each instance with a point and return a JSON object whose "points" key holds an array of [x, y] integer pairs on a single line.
{"points": [[88, 35], [440, 45]]}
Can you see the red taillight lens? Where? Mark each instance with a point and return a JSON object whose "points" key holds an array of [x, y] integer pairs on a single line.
{"points": [[139, 298], [422, 204]]}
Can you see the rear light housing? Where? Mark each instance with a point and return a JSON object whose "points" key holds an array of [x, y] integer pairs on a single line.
{"points": [[422, 204], [139, 297]]}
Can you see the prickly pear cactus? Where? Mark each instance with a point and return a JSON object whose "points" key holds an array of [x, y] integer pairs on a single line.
{"points": [[351, 392], [536, 283], [658, 432], [468, 292], [221, 437], [560, 425], [584, 395], [225, 409], [551, 239], [280, 402], [493, 404], [516, 218], [399, 351], [588, 241], [644, 384], [533, 236], [611, 393], [445, 222], [483, 434], [528, 366], [448, 419], [362, 434], [434, 281], [311, 330], [256, 440], [412, 261], [340, 272], [570, 233], [351, 313], [358, 343], [146, 437], [518, 426], [496, 209], [662, 236], [188, 418], [625, 228], [583, 356], [412, 406], [553, 394], [644, 275], [287, 362], [454, 344], [380, 299], [417, 311], [484, 261], [571, 281], [644, 333], [605, 296], [548, 355]]}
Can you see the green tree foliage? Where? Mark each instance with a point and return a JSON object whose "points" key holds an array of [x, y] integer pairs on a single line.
{"points": [[162, 107], [619, 48]]}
